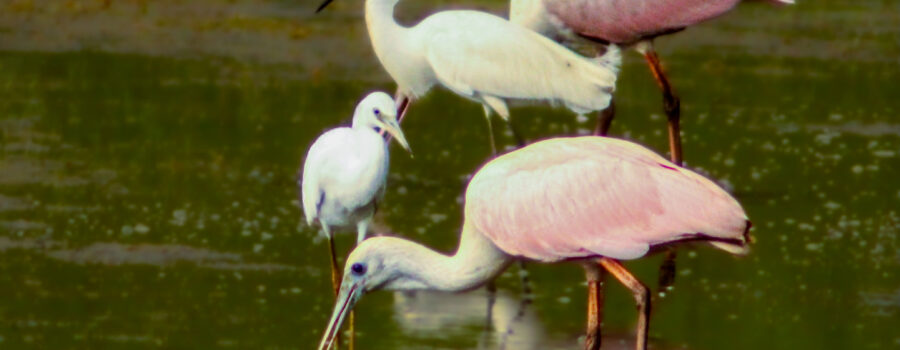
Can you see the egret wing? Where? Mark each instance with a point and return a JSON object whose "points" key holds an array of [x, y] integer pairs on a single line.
{"points": [[344, 166], [476, 53], [594, 196]]}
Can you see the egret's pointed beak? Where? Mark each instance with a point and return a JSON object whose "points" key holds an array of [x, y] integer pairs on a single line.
{"points": [[323, 5], [393, 127], [346, 299]]}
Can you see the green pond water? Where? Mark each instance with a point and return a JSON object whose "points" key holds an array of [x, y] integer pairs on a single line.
{"points": [[149, 201]]}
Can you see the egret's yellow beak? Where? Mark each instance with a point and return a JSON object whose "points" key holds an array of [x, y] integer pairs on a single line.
{"points": [[347, 298], [393, 127]]}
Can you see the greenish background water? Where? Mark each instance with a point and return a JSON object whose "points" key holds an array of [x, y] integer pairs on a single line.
{"points": [[149, 154]]}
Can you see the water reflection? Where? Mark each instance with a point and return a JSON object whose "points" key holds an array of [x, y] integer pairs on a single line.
{"points": [[511, 323]]}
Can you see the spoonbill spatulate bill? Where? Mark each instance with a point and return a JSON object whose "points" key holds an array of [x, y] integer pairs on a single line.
{"points": [[629, 23], [485, 58], [595, 200]]}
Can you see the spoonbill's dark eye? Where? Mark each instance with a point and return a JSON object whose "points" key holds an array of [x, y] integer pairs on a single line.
{"points": [[377, 112], [358, 269]]}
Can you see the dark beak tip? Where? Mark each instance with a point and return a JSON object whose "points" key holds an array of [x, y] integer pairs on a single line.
{"points": [[323, 5]]}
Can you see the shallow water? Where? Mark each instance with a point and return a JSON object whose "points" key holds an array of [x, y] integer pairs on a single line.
{"points": [[147, 199]]}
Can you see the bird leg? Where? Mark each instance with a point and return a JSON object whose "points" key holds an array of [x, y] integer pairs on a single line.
{"points": [[672, 107], [487, 116], [667, 272], [335, 277], [335, 271], [402, 103], [594, 276], [351, 343], [605, 118], [641, 295], [671, 103], [361, 228], [517, 136]]}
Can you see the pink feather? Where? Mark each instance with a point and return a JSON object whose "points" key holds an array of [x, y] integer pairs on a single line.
{"points": [[568, 198], [628, 21]]}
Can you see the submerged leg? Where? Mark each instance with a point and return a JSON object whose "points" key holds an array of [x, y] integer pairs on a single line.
{"points": [[594, 275], [361, 228], [667, 272], [671, 103], [641, 295], [605, 118], [351, 343]]}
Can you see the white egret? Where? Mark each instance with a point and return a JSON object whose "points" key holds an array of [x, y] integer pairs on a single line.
{"points": [[487, 59], [345, 172]]}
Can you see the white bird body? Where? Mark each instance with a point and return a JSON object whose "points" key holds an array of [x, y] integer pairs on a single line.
{"points": [[340, 191], [486, 59], [345, 169]]}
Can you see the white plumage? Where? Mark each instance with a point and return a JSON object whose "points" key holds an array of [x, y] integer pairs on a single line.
{"points": [[487, 59], [345, 169]]}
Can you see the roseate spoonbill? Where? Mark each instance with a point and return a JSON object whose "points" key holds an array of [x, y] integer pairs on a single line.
{"points": [[633, 23], [591, 199], [345, 171], [487, 59], [630, 23]]}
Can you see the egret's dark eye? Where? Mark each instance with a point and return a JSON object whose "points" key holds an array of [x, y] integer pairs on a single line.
{"points": [[377, 112], [358, 269]]}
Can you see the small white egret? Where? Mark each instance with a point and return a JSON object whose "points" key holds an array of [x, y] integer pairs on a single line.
{"points": [[487, 59], [345, 172]]}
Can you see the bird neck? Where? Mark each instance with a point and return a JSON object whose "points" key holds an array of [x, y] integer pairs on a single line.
{"points": [[476, 261], [388, 37], [525, 12], [380, 20]]}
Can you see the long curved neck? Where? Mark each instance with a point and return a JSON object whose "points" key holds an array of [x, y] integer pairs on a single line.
{"points": [[386, 34], [476, 261]]}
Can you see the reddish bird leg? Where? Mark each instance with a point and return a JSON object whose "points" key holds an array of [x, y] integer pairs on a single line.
{"points": [[641, 295], [594, 276], [672, 107], [605, 118], [671, 103], [402, 103]]}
